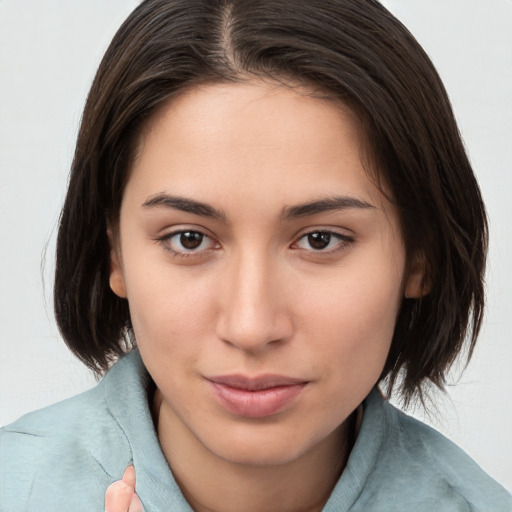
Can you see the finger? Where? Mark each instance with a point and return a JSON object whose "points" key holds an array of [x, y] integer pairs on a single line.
{"points": [[136, 505], [118, 497], [129, 476]]}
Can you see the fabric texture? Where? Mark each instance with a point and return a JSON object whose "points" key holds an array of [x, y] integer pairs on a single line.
{"points": [[63, 458]]}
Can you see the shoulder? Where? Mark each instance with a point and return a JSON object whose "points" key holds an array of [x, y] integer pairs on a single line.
{"points": [[438, 468], [74, 444]]}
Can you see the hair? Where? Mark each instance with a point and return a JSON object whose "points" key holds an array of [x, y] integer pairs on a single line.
{"points": [[358, 53]]}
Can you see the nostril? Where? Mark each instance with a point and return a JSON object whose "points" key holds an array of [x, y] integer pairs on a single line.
{"points": [[253, 334]]}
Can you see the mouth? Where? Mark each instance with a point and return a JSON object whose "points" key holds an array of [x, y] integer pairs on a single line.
{"points": [[255, 397]]}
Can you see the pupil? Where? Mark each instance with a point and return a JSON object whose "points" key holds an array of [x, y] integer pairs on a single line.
{"points": [[191, 240], [319, 240]]}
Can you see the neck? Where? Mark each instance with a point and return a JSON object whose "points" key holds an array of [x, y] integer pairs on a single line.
{"points": [[212, 484]]}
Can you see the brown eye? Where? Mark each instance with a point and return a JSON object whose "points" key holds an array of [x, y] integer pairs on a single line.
{"points": [[191, 240], [323, 242], [319, 240], [187, 243]]}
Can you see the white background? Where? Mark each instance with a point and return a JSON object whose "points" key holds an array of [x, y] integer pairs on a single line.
{"points": [[49, 51]]}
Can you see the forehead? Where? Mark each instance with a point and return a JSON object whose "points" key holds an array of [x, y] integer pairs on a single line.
{"points": [[260, 138]]}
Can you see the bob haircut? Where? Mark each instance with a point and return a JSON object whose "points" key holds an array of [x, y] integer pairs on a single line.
{"points": [[353, 51]]}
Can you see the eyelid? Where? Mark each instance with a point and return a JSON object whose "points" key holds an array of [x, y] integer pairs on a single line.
{"points": [[344, 240], [165, 238]]}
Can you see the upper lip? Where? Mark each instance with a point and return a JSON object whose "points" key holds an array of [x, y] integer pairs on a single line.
{"points": [[258, 383]]}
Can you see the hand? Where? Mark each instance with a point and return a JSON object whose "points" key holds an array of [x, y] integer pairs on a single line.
{"points": [[121, 497]]}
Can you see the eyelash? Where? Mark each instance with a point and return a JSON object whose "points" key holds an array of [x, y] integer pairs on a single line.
{"points": [[166, 241], [343, 242]]}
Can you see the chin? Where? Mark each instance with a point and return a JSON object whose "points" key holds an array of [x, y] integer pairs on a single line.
{"points": [[259, 456], [263, 446]]}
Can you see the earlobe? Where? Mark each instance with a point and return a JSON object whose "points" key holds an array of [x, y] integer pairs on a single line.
{"points": [[116, 279]]}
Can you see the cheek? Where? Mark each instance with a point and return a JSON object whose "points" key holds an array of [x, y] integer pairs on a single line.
{"points": [[166, 305], [353, 318], [165, 311], [171, 327]]}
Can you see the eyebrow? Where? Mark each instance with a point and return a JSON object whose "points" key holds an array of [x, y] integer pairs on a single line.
{"points": [[324, 205], [185, 205], [327, 204]]}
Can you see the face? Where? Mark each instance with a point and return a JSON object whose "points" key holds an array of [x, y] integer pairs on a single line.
{"points": [[263, 269]]}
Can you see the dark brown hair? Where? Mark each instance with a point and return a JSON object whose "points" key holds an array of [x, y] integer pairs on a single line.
{"points": [[362, 56]]}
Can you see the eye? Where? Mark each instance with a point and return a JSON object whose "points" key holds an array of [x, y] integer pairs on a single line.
{"points": [[323, 241], [187, 242]]}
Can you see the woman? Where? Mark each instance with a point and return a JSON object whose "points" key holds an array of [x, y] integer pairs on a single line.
{"points": [[271, 211]]}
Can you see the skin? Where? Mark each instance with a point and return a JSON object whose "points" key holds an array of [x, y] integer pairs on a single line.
{"points": [[257, 294], [121, 497]]}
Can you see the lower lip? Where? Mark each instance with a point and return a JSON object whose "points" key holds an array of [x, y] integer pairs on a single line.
{"points": [[255, 404]]}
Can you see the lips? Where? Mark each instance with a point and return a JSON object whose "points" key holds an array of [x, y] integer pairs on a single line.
{"points": [[255, 397]]}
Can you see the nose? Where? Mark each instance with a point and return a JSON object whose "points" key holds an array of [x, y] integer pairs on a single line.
{"points": [[254, 312]]}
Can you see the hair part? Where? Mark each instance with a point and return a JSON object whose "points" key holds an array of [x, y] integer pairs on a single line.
{"points": [[356, 52]]}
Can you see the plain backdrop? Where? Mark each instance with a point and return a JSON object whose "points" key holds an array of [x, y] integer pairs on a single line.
{"points": [[49, 51]]}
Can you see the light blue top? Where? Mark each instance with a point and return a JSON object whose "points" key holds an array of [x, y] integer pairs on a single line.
{"points": [[63, 458]]}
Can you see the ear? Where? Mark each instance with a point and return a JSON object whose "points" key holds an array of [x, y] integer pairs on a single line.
{"points": [[416, 285], [116, 279]]}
